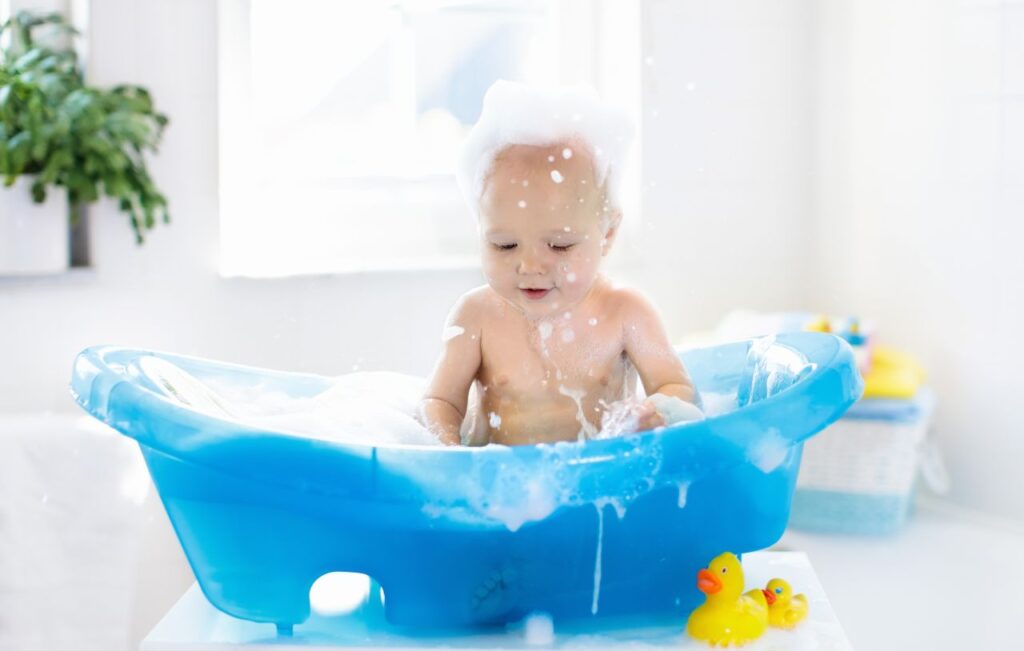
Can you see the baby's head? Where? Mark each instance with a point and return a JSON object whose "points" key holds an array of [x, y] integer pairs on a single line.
{"points": [[541, 170]]}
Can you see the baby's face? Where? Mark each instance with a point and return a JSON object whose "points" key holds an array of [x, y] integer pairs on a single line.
{"points": [[544, 227]]}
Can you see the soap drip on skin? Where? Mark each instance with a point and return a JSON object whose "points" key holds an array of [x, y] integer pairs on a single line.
{"points": [[545, 328], [587, 429]]}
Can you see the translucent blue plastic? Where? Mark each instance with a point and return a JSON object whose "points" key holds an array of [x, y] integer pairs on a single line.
{"points": [[466, 536]]}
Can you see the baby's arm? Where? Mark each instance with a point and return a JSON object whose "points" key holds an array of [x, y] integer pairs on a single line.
{"points": [[660, 368], [444, 404]]}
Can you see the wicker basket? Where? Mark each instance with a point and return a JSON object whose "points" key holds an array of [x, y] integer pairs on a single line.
{"points": [[859, 475]]}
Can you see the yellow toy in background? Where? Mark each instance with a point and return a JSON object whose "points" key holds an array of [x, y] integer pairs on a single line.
{"points": [[784, 610], [820, 323], [727, 616], [894, 374]]}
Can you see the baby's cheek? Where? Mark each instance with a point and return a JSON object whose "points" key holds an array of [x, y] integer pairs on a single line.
{"points": [[492, 273], [586, 264]]}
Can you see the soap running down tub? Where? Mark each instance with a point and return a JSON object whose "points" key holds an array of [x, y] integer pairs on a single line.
{"points": [[468, 536]]}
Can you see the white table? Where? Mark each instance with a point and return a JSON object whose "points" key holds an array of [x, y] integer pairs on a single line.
{"points": [[194, 625]]}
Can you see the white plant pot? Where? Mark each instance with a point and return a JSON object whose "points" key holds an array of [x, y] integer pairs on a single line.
{"points": [[33, 237]]}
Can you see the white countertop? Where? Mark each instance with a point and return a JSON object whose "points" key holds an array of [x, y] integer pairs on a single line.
{"points": [[950, 580], [194, 625]]}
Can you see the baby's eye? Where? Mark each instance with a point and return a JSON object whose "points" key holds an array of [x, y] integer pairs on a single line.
{"points": [[561, 247], [504, 247]]}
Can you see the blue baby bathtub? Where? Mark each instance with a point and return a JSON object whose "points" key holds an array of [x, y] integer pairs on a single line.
{"points": [[468, 536]]}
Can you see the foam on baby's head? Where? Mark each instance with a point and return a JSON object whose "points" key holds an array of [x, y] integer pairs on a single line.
{"points": [[517, 114]]}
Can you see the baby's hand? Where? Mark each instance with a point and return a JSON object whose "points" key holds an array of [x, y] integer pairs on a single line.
{"points": [[675, 410], [648, 417]]}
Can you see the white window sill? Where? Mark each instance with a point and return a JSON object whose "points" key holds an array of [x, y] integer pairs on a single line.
{"points": [[72, 275], [360, 267]]}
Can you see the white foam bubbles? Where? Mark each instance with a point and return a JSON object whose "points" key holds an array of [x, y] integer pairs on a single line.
{"points": [[683, 487], [539, 630], [769, 451], [371, 408], [518, 114], [587, 429], [538, 504], [556, 176], [451, 332], [716, 404]]}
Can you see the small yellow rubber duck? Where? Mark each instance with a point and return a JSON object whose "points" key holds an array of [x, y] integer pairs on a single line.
{"points": [[784, 610], [818, 324], [727, 616]]}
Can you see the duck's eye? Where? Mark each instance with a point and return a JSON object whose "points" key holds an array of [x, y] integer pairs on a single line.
{"points": [[778, 590], [723, 570]]}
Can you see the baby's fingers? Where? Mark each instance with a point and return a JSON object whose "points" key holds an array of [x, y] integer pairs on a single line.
{"points": [[649, 418]]}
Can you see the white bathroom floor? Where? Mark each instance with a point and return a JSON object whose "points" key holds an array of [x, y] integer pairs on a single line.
{"points": [[949, 580]]}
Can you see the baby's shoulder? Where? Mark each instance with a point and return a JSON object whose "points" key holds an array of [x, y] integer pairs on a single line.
{"points": [[627, 302], [474, 306]]}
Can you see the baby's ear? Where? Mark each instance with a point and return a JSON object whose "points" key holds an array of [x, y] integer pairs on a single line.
{"points": [[610, 231]]}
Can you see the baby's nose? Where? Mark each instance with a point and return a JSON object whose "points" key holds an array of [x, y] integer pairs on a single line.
{"points": [[530, 263]]}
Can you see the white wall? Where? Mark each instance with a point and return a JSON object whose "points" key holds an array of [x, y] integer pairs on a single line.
{"points": [[727, 137], [919, 198], [723, 162]]}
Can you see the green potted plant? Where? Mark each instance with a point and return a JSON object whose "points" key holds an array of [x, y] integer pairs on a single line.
{"points": [[60, 137]]}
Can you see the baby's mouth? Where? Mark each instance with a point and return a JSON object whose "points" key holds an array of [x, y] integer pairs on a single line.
{"points": [[534, 294]]}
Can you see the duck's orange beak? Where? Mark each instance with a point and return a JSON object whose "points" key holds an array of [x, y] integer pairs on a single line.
{"points": [[707, 582], [769, 596]]}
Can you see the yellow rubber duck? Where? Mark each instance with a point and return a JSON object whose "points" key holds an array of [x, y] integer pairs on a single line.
{"points": [[818, 324], [727, 616], [784, 610]]}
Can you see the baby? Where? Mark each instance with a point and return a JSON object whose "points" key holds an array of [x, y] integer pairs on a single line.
{"points": [[551, 344]]}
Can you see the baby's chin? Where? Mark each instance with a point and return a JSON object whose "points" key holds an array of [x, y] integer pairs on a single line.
{"points": [[555, 303]]}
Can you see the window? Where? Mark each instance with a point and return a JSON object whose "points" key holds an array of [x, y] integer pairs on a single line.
{"points": [[341, 123]]}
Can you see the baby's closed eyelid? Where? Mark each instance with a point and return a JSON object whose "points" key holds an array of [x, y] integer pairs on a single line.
{"points": [[561, 247]]}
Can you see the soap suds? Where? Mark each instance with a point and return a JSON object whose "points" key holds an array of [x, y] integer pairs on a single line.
{"points": [[451, 332], [587, 429]]}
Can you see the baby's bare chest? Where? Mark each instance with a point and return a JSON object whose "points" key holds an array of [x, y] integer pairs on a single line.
{"points": [[549, 359]]}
